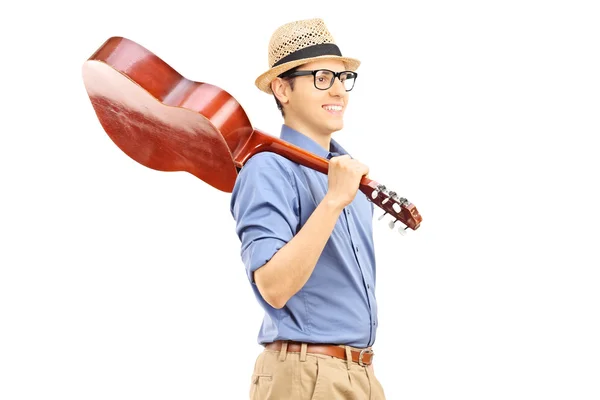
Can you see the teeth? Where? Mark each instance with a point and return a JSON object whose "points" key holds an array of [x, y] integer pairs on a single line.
{"points": [[333, 108]]}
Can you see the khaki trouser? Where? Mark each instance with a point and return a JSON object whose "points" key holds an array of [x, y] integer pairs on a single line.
{"points": [[283, 375]]}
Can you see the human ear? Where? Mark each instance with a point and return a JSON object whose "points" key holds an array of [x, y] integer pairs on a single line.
{"points": [[280, 90]]}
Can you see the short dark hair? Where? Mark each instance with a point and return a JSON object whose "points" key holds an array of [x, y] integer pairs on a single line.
{"points": [[291, 82]]}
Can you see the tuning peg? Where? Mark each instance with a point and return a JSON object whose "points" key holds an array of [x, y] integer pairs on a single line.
{"points": [[374, 194], [396, 207], [383, 215], [402, 230], [391, 224], [390, 196]]}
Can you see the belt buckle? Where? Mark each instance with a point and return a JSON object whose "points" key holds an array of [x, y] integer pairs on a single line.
{"points": [[362, 353]]}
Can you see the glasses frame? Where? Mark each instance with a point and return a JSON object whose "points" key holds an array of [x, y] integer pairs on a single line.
{"points": [[314, 74]]}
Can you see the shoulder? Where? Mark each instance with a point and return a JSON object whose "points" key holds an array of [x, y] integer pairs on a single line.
{"points": [[267, 163], [268, 159], [265, 179]]}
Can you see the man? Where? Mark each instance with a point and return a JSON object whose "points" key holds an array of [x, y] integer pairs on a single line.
{"points": [[306, 237]]}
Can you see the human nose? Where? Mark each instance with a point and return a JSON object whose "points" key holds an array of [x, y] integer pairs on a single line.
{"points": [[338, 88]]}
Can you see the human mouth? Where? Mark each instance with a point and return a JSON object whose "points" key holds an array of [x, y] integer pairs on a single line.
{"points": [[333, 108]]}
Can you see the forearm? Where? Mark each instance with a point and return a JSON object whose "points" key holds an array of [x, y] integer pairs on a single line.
{"points": [[290, 268]]}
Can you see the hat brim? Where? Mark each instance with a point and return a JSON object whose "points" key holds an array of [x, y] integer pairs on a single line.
{"points": [[263, 82]]}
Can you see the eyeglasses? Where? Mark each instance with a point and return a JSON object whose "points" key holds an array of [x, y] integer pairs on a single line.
{"points": [[323, 78]]}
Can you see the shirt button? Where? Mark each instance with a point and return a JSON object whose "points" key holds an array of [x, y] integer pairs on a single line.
{"points": [[356, 248], [368, 286]]}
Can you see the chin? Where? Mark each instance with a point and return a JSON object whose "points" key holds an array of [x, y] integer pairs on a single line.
{"points": [[337, 126]]}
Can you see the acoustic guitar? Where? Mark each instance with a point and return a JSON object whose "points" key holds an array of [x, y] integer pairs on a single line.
{"points": [[167, 122]]}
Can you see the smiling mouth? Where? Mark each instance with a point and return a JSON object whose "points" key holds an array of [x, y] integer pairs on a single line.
{"points": [[332, 108]]}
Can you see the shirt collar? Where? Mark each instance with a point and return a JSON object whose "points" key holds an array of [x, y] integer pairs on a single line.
{"points": [[296, 138]]}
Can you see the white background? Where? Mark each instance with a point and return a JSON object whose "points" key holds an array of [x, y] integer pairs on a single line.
{"points": [[122, 282]]}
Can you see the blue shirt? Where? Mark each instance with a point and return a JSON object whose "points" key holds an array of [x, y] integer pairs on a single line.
{"points": [[272, 199]]}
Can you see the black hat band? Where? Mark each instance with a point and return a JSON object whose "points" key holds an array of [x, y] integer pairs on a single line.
{"points": [[324, 49]]}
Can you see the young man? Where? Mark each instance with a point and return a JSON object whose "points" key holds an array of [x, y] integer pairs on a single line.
{"points": [[306, 238]]}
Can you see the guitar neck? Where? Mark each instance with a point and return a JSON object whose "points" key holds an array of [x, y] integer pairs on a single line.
{"points": [[260, 141]]}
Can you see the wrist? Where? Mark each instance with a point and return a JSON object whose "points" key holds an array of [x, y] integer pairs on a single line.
{"points": [[333, 204]]}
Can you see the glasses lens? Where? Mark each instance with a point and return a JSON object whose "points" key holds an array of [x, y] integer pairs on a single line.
{"points": [[348, 79], [323, 79]]}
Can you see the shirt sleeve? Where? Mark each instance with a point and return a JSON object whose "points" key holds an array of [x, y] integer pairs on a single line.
{"points": [[264, 205]]}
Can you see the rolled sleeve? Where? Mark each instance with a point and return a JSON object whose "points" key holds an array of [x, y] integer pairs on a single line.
{"points": [[264, 206]]}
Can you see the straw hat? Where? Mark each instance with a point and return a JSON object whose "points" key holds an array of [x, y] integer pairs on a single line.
{"points": [[298, 43]]}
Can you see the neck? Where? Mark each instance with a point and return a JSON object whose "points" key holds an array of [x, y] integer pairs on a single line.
{"points": [[320, 137]]}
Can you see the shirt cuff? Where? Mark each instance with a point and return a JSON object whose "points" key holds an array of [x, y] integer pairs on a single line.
{"points": [[259, 253]]}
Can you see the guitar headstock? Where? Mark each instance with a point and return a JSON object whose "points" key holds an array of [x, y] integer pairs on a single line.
{"points": [[398, 207]]}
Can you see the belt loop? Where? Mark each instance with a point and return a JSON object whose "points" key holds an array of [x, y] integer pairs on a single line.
{"points": [[283, 351], [348, 356], [303, 349]]}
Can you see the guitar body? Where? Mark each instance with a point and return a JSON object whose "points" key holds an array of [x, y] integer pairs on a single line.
{"points": [[167, 122], [161, 119]]}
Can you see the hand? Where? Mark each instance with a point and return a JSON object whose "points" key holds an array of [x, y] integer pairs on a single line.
{"points": [[345, 174]]}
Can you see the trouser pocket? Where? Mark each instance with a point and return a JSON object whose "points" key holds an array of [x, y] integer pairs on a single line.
{"points": [[259, 385]]}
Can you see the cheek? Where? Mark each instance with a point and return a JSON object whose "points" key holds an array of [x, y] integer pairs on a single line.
{"points": [[309, 102], [316, 99]]}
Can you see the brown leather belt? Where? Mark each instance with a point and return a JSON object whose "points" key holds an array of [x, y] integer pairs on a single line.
{"points": [[363, 357]]}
